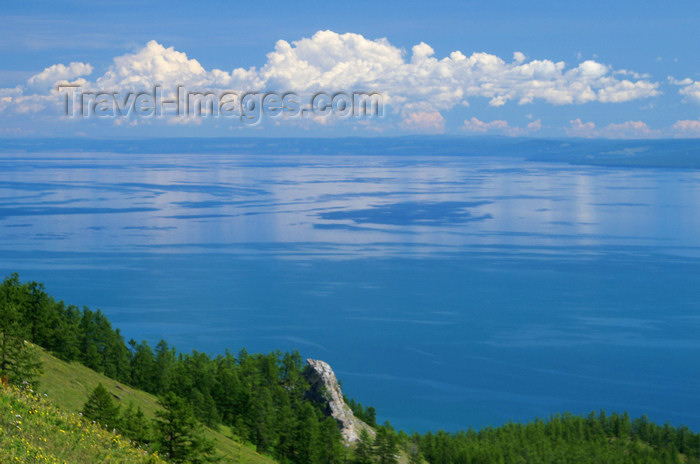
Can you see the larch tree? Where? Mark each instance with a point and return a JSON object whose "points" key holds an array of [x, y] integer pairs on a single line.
{"points": [[179, 435], [19, 361]]}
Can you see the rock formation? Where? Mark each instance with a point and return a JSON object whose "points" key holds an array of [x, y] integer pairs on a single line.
{"points": [[326, 391]]}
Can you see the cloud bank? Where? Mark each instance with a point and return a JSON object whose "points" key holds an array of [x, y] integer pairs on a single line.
{"points": [[624, 130], [418, 87]]}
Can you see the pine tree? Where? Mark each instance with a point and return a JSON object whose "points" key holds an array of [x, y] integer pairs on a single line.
{"points": [[19, 362], [101, 408], [117, 357], [307, 436], [89, 341], [164, 363], [135, 425], [414, 454], [370, 416], [143, 365], [37, 313], [179, 434], [66, 337], [331, 447], [385, 447], [363, 450]]}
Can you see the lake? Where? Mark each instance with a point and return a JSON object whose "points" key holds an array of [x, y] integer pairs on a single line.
{"points": [[446, 289]]}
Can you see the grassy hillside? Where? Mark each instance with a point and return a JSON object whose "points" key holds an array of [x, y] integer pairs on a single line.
{"points": [[69, 384], [33, 431]]}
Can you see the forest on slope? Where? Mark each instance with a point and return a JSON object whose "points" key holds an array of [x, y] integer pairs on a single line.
{"points": [[261, 399]]}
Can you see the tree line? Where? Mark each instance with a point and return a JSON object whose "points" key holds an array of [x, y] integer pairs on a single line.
{"points": [[261, 397], [367, 415], [175, 433], [595, 438]]}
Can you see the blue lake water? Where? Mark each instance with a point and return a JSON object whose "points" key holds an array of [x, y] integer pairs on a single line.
{"points": [[448, 291]]}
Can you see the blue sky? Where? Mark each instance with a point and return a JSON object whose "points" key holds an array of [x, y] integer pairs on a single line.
{"points": [[591, 69]]}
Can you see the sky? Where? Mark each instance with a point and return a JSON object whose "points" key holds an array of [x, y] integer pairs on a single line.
{"points": [[597, 69]]}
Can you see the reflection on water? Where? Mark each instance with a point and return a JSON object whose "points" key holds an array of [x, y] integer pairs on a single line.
{"points": [[447, 291], [125, 202]]}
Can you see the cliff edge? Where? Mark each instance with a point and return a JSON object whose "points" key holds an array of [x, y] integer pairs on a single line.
{"points": [[326, 391]]}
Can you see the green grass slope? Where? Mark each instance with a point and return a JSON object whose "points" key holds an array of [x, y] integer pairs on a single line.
{"points": [[69, 384], [34, 431]]}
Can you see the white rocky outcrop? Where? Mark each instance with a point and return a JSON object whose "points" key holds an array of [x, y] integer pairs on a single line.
{"points": [[326, 390]]}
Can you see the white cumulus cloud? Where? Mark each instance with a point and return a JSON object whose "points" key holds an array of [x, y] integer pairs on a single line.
{"points": [[500, 126], [332, 60], [688, 88], [156, 64], [50, 76], [686, 128], [691, 91], [624, 130], [430, 122], [415, 85]]}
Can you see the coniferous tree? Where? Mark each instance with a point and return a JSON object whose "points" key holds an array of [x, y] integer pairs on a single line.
{"points": [[117, 357], [28, 366], [370, 416], [134, 424], [65, 342], [331, 449], [414, 454], [363, 450], [143, 366], [19, 361], [307, 436], [385, 447], [179, 435], [89, 341], [101, 408], [12, 292], [37, 313], [164, 365]]}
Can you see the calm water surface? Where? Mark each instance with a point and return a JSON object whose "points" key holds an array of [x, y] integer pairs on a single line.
{"points": [[447, 291]]}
